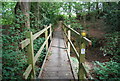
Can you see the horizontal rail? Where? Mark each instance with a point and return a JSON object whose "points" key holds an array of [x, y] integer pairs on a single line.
{"points": [[86, 39], [40, 50], [48, 52], [77, 54], [24, 43], [40, 32], [27, 71]]}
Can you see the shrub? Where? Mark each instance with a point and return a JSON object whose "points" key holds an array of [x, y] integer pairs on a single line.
{"points": [[112, 46], [108, 71]]}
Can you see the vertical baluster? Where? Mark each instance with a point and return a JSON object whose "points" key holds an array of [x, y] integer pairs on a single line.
{"points": [[46, 35], [69, 35], [81, 74], [30, 52], [51, 32]]}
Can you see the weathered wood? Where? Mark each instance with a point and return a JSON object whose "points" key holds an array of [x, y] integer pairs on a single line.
{"points": [[81, 73], [27, 71], [73, 72], [30, 52], [40, 32], [65, 26], [46, 35], [57, 64], [48, 52], [82, 55], [40, 50], [24, 43], [69, 35], [51, 31], [86, 39], [77, 54], [87, 73], [81, 58]]}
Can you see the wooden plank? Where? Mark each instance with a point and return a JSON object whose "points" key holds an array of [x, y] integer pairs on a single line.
{"points": [[73, 72], [40, 50], [40, 32], [46, 35], [24, 43], [27, 71], [50, 31], [57, 66], [30, 53]]}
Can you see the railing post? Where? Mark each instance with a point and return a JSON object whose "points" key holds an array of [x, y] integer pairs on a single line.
{"points": [[69, 36], [30, 52], [46, 35], [81, 74], [51, 31]]}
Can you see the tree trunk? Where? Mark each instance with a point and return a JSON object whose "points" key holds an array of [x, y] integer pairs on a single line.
{"points": [[23, 8]]}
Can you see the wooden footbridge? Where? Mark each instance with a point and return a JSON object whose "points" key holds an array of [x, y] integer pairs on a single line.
{"points": [[57, 63]]}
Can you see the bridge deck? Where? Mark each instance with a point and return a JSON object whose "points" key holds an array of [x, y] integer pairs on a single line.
{"points": [[57, 65]]}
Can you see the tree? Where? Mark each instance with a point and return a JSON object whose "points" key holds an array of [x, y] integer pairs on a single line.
{"points": [[23, 8]]}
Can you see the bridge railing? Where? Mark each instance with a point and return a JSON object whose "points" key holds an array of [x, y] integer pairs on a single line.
{"points": [[31, 58], [83, 41]]}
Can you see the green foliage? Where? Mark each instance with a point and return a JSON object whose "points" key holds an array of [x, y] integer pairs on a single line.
{"points": [[7, 12], [112, 16], [95, 42], [74, 23], [14, 60], [60, 17], [49, 11], [108, 70], [38, 43], [13, 64], [112, 46]]}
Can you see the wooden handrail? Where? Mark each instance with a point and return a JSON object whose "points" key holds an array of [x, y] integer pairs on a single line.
{"points": [[40, 32], [29, 42], [80, 57], [25, 42], [77, 54], [40, 50], [86, 39], [27, 71]]}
